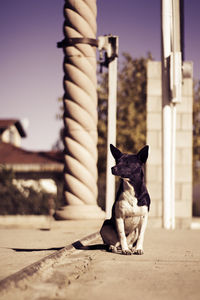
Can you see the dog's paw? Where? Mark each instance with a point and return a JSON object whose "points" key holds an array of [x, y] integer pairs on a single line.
{"points": [[132, 249], [112, 249], [126, 252], [138, 251]]}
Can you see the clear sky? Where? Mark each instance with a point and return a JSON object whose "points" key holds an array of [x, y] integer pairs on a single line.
{"points": [[31, 71]]}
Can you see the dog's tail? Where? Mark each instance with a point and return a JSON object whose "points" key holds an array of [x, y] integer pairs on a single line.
{"points": [[79, 246]]}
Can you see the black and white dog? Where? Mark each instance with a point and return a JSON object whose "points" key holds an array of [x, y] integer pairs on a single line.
{"points": [[127, 225]]}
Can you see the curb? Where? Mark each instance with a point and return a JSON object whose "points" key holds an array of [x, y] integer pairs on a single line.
{"points": [[15, 279]]}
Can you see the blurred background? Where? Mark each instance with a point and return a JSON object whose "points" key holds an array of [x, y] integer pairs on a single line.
{"points": [[31, 74]]}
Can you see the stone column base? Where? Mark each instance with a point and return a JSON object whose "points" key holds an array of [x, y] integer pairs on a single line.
{"points": [[79, 212]]}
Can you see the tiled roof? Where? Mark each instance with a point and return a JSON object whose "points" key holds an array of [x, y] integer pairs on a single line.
{"points": [[6, 123], [11, 155]]}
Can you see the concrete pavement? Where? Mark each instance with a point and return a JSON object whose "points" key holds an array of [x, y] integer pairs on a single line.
{"points": [[23, 241], [169, 269]]}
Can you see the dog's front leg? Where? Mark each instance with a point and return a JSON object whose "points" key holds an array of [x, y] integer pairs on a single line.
{"points": [[132, 238], [139, 246], [122, 236]]}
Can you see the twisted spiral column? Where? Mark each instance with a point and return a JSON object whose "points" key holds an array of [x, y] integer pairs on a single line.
{"points": [[80, 113]]}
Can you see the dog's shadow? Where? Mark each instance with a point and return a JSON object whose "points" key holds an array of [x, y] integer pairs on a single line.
{"points": [[77, 245], [36, 249]]}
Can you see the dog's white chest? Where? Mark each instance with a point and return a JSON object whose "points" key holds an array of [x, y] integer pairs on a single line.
{"points": [[126, 208], [127, 202]]}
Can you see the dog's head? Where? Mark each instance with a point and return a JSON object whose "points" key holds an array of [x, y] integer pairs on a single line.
{"points": [[129, 165]]}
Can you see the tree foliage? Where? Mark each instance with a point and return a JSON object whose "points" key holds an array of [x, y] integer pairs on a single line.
{"points": [[131, 108], [14, 201], [131, 111], [196, 133]]}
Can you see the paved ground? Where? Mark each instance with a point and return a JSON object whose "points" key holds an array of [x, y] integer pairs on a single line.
{"points": [[169, 269], [24, 244]]}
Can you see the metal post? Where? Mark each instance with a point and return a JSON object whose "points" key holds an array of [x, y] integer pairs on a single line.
{"points": [[171, 87], [111, 138], [175, 87], [110, 45], [166, 125], [173, 158]]}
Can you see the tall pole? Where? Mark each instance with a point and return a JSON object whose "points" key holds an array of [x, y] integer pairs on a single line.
{"points": [[80, 111], [175, 87], [171, 89], [111, 137], [166, 111], [109, 44]]}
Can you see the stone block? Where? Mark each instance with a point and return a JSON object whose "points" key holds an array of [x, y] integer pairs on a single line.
{"points": [[155, 156], [186, 192], [178, 156], [185, 106], [155, 190], [153, 121], [183, 209], [153, 138], [154, 104], [151, 174], [184, 156], [187, 87], [178, 121], [160, 139], [186, 121], [154, 69], [156, 208], [184, 139], [184, 173], [154, 87], [178, 191], [154, 174]]}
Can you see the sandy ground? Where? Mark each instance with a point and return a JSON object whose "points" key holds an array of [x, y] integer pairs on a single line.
{"points": [[169, 269]]}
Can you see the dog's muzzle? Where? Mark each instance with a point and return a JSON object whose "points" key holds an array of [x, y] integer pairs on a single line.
{"points": [[114, 170]]}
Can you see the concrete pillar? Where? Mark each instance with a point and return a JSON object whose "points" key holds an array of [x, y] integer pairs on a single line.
{"points": [[183, 159], [80, 112]]}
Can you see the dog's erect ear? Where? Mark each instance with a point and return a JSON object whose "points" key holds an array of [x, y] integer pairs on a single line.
{"points": [[143, 154], [115, 152]]}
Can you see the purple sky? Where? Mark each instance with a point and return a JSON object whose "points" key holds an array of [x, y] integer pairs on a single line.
{"points": [[31, 66]]}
